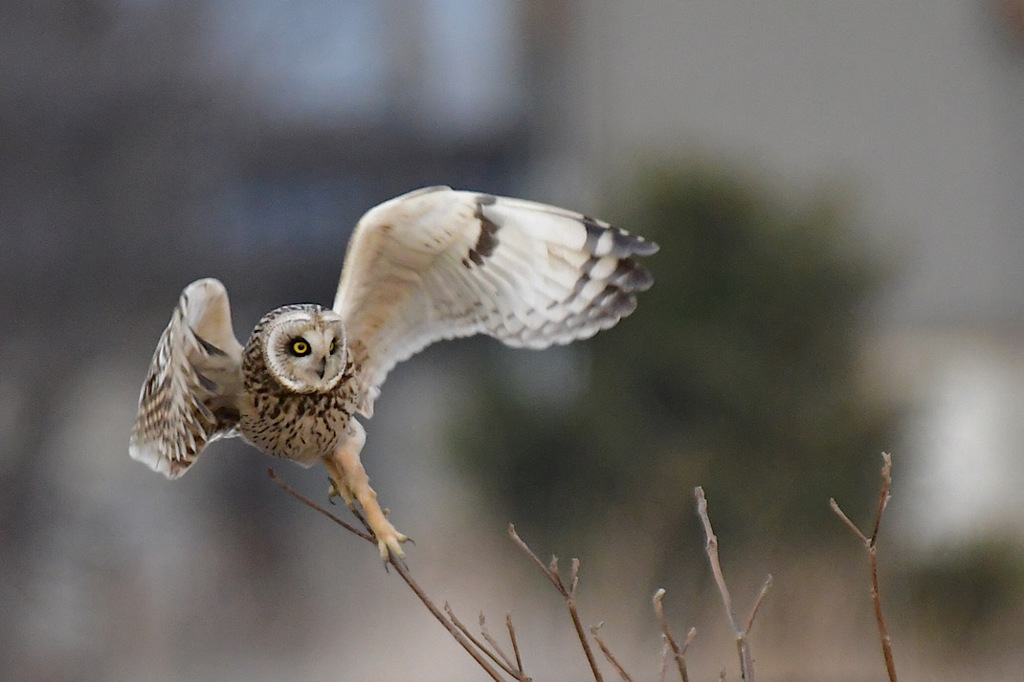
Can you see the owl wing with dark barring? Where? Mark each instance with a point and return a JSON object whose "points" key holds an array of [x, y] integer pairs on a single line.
{"points": [[438, 264], [191, 395]]}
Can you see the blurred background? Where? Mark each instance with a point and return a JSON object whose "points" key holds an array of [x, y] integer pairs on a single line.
{"points": [[837, 191]]}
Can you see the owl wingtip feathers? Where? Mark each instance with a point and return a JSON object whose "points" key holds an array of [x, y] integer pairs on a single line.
{"points": [[644, 247], [195, 371], [149, 454]]}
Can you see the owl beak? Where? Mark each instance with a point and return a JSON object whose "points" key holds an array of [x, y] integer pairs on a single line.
{"points": [[323, 367]]}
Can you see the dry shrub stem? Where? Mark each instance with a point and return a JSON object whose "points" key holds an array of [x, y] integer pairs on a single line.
{"points": [[491, 658], [479, 654], [498, 656], [364, 534], [609, 656], [678, 653], [515, 645], [491, 654], [870, 544], [569, 595], [742, 642], [488, 655], [508, 664]]}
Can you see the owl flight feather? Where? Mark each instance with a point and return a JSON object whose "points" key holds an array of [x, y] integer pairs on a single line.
{"points": [[429, 265]]}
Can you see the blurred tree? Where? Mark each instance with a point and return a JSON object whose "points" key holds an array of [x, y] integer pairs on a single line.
{"points": [[966, 596], [740, 371]]}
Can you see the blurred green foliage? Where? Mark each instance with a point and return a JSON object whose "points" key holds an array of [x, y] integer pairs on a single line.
{"points": [[740, 371], [965, 597]]}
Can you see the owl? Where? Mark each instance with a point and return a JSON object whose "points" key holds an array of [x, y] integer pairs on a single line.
{"points": [[428, 265]]}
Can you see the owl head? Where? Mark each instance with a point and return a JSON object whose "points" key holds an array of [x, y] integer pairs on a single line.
{"points": [[304, 347]]}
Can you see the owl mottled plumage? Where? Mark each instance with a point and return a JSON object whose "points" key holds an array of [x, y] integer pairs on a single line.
{"points": [[189, 398], [429, 265]]}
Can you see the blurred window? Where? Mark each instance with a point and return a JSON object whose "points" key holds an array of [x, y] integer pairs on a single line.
{"points": [[448, 65]]}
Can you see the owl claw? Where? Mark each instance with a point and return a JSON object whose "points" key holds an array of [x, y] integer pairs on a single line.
{"points": [[389, 542]]}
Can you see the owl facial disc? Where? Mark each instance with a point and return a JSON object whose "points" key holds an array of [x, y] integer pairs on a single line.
{"points": [[305, 348]]}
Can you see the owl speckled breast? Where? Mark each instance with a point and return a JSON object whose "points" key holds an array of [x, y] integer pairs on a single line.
{"points": [[296, 426]]}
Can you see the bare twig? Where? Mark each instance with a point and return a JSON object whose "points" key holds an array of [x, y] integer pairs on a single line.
{"points": [[313, 505], [679, 653], [883, 496], [490, 656], [850, 524], [871, 544], [402, 571], [742, 643], [757, 604], [497, 657], [665, 651], [515, 645], [686, 642], [609, 656], [497, 647], [466, 644], [552, 574]]}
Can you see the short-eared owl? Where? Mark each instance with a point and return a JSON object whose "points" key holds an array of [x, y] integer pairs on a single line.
{"points": [[429, 265]]}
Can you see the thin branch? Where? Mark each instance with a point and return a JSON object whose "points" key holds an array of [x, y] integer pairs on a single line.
{"points": [[742, 643], [402, 571], [571, 604], [690, 636], [556, 580], [543, 569], [757, 604], [313, 505], [850, 524], [609, 656], [497, 648], [515, 645], [716, 567], [883, 496], [679, 653], [479, 645], [466, 644], [665, 650], [883, 632], [871, 544]]}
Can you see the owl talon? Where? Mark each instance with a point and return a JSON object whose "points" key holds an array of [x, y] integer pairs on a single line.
{"points": [[389, 542]]}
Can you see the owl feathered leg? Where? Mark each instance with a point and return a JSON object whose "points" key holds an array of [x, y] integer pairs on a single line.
{"points": [[352, 483]]}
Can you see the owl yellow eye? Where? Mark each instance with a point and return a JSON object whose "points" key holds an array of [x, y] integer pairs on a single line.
{"points": [[331, 349], [300, 347]]}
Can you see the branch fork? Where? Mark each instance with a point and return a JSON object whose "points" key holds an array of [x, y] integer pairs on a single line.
{"points": [[871, 545], [741, 634]]}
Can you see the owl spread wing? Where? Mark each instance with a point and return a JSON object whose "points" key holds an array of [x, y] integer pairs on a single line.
{"points": [[437, 264], [191, 395]]}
